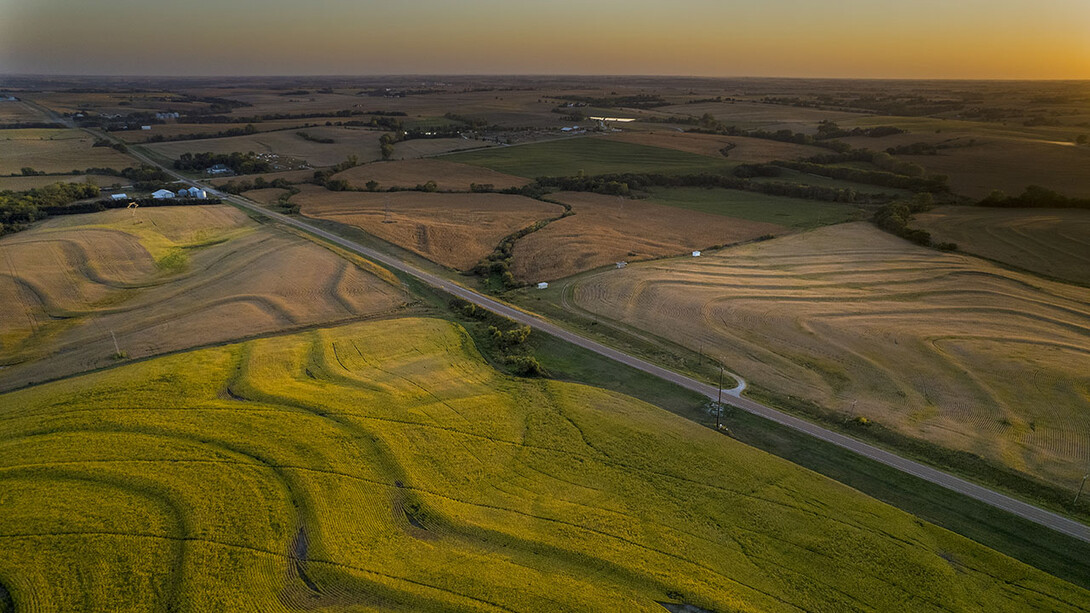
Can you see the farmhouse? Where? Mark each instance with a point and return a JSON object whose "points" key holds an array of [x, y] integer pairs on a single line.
{"points": [[119, 196], [218, 169], [162, 194]]}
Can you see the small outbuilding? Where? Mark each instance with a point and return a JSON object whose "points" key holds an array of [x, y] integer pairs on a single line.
{"points": [[192, 192], [145, 127], [622, 264], [162, 194], [543, 285], [119, 196], [696, 254]]}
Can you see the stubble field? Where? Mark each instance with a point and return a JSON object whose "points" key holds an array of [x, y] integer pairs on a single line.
{"points": [[165, 279], [386, 466], [55, 151], [944, 347], [607, 229], [455, 230]]}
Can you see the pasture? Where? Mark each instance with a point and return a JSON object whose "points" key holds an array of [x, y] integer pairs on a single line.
{"points": [[1053, 242], [386, 465], [591, 156], [454, 230], [943, 347], [164, 279], [780, 210], [607, 229], [286, 144], [18, 111], [448, 176], [55, 151]]}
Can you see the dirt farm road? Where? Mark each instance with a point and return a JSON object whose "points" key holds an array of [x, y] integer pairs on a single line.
{"points": [[734, 396]]}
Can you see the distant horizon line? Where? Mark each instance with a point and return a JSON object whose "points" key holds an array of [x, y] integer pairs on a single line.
{"points": [[530, 74]]}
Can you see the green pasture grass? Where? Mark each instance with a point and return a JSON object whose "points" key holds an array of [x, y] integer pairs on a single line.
{"points": [[791, 212], [386, 465], [591, 156]]}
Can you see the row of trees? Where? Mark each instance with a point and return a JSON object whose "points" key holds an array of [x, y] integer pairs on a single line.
{"points": [[933, 184], [1035, 196], [240, 163]]}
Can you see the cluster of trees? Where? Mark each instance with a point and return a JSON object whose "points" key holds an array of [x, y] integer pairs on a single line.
{"points": [[829, 129], [240, 163], [881, 178], [708, 124], [1035, 196], [18, 209], [102, 142], [508, 339], [894, 218], [325, 178], [498, 263], [17, 125], [315, 139], [880, 159], [386, 143]]}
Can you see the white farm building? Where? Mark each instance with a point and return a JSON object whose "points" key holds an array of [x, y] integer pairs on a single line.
{"points": [[119, 196], [162, 194]]}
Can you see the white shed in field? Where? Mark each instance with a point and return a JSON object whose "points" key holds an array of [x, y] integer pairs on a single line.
{"points": [[696, 254], [543, 285], [119, 196], [162, 194]]}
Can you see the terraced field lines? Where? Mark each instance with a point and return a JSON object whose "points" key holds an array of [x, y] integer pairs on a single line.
{"points": [[941, 347], [386, 465]]}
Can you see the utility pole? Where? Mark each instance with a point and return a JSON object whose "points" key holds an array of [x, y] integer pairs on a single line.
{"points": [[719, 402], [1081, 485]]}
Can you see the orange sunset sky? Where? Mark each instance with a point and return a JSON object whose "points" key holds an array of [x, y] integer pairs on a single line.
{"points": [[997, 39]]}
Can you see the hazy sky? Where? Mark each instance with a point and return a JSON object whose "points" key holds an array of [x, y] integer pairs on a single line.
{"points": [[1047, 39]]}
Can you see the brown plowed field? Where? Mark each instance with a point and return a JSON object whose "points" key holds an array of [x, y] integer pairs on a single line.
{"points": [[1054, 242], [448, 176], [169, 278], [940, 346], [454, 230], [606, 229]]}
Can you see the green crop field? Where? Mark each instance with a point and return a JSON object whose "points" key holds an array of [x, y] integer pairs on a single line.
{"points": [[386, 466], [592, 156], [792, 212]]}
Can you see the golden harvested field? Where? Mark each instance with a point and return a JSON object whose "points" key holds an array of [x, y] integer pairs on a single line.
{"points": [[349, 141], [22, 184], [55, 151], [18, 111], [1054, 242], [606, 229], [944, 347], [265, 196], [751, 150], [385, 466], [165, 279], [448, 176], [454, 230]]}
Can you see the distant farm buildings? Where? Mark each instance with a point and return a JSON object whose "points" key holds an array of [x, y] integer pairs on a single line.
{"points": [[218, 169], [166, 115], [119, 196], [192, 192], [162, 194], [145, 127]]}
